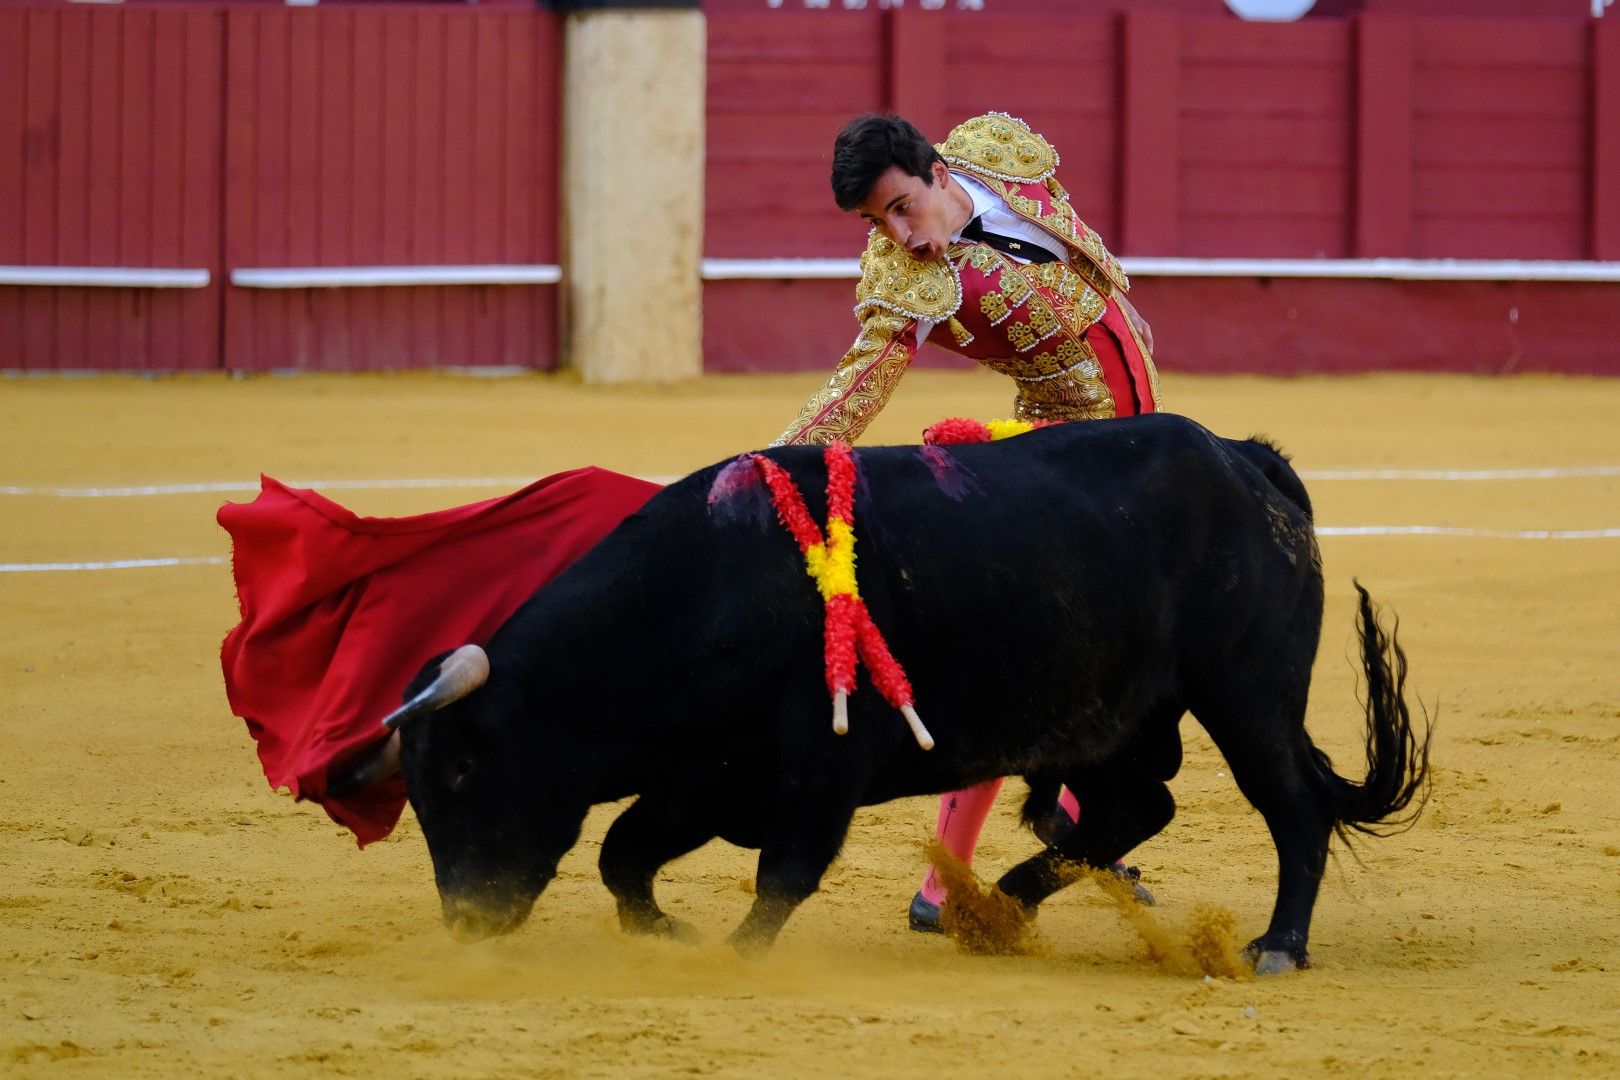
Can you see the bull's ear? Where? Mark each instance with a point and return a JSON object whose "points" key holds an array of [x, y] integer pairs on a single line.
{"points": [[453, 677]]}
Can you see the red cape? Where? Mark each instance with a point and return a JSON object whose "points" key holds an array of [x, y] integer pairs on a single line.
{"points": [[340, 611]]}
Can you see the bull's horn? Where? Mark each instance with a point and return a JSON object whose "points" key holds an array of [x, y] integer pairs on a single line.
{"points": [[460, 673], [382, 763]]}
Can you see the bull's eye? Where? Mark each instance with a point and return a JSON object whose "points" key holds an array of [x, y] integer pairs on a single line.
{"points": [[459, 772]]}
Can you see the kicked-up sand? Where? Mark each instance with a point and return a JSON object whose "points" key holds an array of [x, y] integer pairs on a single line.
{"points": [[162, 912]]}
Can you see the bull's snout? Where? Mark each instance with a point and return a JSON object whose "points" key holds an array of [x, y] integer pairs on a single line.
{"points": [[474, 919]]}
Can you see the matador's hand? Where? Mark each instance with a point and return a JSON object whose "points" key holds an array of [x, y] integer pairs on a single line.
{"points": [[1143, 330]]}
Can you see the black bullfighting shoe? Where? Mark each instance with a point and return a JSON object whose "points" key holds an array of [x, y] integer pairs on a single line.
{"points": [[923, 916]]}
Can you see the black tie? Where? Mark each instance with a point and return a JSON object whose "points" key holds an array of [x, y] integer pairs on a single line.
{"points": [[1024, 249]]}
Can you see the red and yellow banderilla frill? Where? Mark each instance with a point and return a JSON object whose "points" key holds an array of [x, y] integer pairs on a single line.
{"points": [[849, 628]]}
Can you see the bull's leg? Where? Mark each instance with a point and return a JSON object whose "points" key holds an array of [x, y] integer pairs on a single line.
{"points": [[804, 839], [1118, 813], [1272, 762], [1123, 802], [654, 830]]}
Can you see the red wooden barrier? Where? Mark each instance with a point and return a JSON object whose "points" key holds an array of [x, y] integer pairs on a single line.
{"points": [[1605, 187], [1499, 140], [109, 127], [1381, 135], [780, 87], [1189, 136], [1264, 165], [418, 136], [227, 136]]}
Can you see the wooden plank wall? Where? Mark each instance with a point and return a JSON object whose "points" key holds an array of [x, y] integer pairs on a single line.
{"points": [[1264, 162], [1185, 136], [225, 136], [1500, 151], [781, 84], [360, 137], [109, 132]]}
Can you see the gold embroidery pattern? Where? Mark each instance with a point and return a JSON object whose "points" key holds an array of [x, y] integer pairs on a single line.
{"points": [[963, 336], [859, 388], [1071, 391], [893, 281], [1076, 303], [1060, 219], [1062, 307], [983, 257], [1027, 207], [994, 306], [1043, 320], [1015, 286], [1047, 365], [1102, 258], [1000, 145], [1062, 222], [1022, 336], [1056, 190]]}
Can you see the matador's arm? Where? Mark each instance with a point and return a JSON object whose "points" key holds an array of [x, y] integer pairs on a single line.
{"points": [[865, 378]]}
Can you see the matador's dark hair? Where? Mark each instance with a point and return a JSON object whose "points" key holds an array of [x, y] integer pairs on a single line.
{"points": [[866, 148]]}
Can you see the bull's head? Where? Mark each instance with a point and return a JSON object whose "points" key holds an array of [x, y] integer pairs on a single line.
{"points": [[496, 820]]}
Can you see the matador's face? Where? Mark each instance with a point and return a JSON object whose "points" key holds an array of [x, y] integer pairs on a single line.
{"points": [[919, 216]]}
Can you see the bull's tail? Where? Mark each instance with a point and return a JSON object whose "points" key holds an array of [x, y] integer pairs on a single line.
{"points": [[1392, 796], [1043, 796]]}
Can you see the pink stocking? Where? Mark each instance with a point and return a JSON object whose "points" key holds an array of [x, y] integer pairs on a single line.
{"points": [[961, 816], [1070, 804]]}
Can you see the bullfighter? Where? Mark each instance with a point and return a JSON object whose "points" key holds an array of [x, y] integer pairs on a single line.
{"points": [[974, 247]]}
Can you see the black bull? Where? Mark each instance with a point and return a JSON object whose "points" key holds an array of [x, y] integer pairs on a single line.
{"points": [[1092, 584]]}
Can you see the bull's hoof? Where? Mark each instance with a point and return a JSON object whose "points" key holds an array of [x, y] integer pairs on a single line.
{"points": [[1269, 961], [1274, 962], [749, 946], [678, 930], [468, 922], [664, 926]]}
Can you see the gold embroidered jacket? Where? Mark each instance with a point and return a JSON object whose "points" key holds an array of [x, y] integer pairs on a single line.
{"points": [[1033, 322]]}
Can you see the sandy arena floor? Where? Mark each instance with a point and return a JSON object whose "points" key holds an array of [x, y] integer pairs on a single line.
{"points": [[162, 912]]}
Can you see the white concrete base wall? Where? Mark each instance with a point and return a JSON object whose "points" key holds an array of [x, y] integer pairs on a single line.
{"points": [[633, 158]]}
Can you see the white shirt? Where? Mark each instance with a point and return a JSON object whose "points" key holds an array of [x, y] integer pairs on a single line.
{"points": [[997, 217]]}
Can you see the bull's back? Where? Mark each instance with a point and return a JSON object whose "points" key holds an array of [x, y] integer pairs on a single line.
{"points": [[1041, 590], [1072, 579]]}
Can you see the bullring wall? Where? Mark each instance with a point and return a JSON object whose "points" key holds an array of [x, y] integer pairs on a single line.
{"points": [[239, 142]]}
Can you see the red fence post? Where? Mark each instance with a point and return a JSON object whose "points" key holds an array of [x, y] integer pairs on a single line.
{"points": [[914, 79], [1605, 213], [1382, 214], [1149, 138]]}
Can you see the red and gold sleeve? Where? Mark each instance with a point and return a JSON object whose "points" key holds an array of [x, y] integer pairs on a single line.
{"points": [[861, 386]]}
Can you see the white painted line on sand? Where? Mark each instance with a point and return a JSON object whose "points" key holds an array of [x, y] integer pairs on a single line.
{"points": [[227, 487], [1457, 530], [112, 564], [1575, 471]]}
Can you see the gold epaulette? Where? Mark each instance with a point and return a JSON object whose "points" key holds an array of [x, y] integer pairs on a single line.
{"points": [[1001, 146], [892, 280]]}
